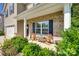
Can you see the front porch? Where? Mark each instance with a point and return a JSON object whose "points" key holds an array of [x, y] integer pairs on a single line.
{"points": [[42, 29], [46, 27]]}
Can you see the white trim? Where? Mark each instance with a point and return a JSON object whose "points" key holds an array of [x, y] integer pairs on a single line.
{"points": [[67, 16], [30, 29], [25, 27], [41, 28]]}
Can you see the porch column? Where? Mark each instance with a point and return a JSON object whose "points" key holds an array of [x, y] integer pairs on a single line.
{"points": [[67, 16], [24, 27], [30, 29]]}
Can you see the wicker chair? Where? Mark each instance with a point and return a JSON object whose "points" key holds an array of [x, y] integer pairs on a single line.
{"points": [[33, 36], [42, 39], [49, 38]]}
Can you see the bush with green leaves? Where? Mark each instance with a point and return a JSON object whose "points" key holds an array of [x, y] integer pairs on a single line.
{"points": [[8, 49], [35, 50], [75, 15], [7, 43], [46, 52], [1, 33], [69, 46], [19, 43], [31, 50]]}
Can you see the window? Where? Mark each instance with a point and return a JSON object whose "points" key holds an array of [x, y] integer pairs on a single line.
{"points": [[38, 27], [6, 13], [41, 27], [11, 8], [45, 27]]}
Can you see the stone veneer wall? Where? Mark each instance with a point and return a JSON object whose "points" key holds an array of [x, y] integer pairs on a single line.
{"points": [[58, 21]]}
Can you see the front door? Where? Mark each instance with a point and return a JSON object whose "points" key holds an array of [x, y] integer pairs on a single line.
{"points": [[10, 32], [20, 28], [27, 30]]}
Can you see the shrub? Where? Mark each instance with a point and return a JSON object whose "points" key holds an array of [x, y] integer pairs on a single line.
{"points": [[13, 46], [35, 50], [19, 43], [1, 33], [75, 15], [7, 44], [8, 49], [46, 52], [70, 44], [31, 50]]}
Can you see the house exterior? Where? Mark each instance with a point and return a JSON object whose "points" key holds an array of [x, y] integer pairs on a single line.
{"points": [[39, 18], [9, 21], [1, 22]]}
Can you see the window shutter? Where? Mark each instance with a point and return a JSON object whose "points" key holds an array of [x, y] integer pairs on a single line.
{"points": [[33, 27], [51, 27]]}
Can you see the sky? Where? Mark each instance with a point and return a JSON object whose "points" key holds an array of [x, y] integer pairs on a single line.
{"points": [[1, 7]]}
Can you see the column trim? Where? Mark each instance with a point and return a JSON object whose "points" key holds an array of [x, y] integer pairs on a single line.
{"points": [[25, 27], [67, 16]]}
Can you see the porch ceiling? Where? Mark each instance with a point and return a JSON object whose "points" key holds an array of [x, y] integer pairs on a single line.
{"points": [[40, 10]]}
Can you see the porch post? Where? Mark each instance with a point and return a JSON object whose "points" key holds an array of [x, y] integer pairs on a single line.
{"points": [[30, 29], [67, 16], [24, 27]]}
